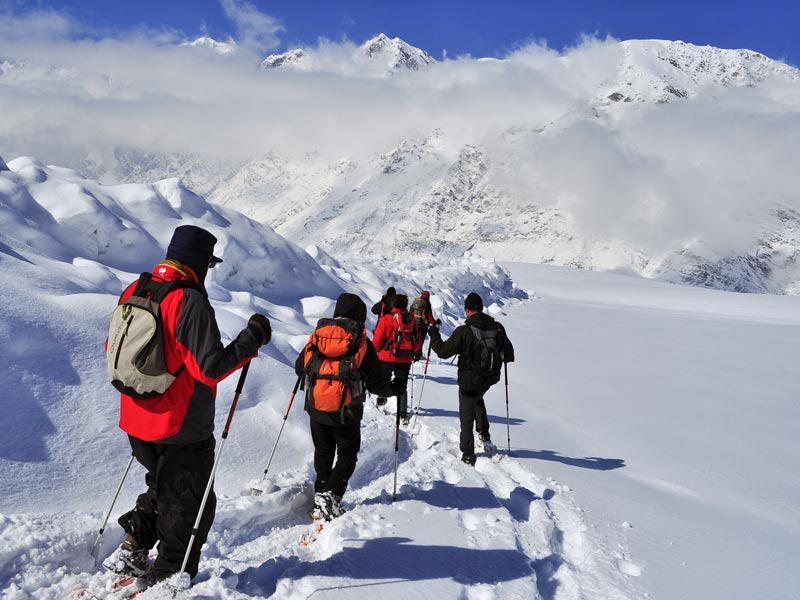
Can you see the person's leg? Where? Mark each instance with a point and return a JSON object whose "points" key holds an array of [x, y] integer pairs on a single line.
{"points": [[388, 370], [466, 413], [324, 438], [181, 479], [348, 443], [481, 418], [141, 521], [401, 382]]}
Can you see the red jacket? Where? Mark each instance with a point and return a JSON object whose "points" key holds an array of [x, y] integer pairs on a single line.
{"points": [[385, 334], [185, 412]]}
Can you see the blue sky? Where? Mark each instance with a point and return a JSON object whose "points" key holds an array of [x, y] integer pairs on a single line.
{"points": [[477, 27]]}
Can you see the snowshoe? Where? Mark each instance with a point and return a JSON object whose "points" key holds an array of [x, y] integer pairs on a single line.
{"points": [[488, 446], [130, 559], [327, 506]]}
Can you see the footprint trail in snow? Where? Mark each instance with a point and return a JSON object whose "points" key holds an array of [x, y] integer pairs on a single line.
{"points": [[492, 531]]}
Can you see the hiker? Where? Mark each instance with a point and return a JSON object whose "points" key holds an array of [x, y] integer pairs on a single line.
{"points": [[422, 311], [171, 432], [482, 347], [384, 305], [397, 341], [339, 364]]}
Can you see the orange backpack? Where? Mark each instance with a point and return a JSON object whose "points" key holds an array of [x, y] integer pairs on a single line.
{"points": [[333, 356]]}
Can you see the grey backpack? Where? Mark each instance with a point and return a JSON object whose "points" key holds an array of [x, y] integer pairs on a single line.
{"points": [[135, 351]]}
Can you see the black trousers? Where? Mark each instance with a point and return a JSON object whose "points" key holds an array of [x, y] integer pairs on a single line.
{"points": [[339, 442], [398, 372], [177, 475], [472, 413]]}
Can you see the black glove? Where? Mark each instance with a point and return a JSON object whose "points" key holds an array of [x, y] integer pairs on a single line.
{"points": [[433, 330], [259, 326]]}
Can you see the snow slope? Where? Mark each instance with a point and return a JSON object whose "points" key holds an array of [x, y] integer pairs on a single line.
{"points": [[68, 246], [650, 460]]}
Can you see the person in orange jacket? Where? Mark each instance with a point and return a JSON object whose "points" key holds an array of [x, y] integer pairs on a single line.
{"points": [[398, 341]]}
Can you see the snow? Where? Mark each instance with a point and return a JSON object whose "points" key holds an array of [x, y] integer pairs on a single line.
{"points": [[633, 402]]}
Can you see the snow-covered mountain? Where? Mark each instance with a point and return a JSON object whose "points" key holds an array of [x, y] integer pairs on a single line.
{"points": [[661, 70], [380, 56], [525, 191]]}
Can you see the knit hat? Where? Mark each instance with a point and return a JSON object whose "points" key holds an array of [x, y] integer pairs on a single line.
{"points": [[350, 306], [194, 247], [473, 302]]}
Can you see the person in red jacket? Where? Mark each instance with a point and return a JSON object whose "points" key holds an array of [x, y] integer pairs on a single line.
{"points": [[171, 434], [397, 341]]}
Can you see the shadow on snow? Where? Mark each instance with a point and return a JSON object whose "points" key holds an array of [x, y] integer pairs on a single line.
{"points": [[391, 559], [587, 462], [441, 412]]}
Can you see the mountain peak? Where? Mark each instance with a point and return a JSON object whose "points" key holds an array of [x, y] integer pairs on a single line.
{"points": [[398, 53], [380, 55], [209, 43]]}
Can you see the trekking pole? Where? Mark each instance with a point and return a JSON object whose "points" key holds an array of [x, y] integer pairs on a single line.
{"points": [[183, 580], [421, 388], [411, 379], [256, 490], [396, 448], [508, 419], [95, 549]]}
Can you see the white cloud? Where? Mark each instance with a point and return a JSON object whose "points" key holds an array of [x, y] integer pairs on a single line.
{"points": [[660, 174], [256, 30]]}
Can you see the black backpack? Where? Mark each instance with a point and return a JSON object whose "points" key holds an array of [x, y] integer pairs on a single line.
{"points": [[488, 358]]}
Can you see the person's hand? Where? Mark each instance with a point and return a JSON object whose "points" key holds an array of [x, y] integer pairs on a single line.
{"points": [[259, 326], [433, 330]]}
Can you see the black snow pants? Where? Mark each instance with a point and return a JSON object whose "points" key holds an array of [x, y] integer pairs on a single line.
{"points": [[472, 412], [341, 442], [177, 475], [398, 373]]}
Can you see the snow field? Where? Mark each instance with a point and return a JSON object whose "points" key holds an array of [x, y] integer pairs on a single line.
{"points": [[494, 531]]}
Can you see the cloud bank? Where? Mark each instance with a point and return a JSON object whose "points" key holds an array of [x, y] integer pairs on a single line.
{"points": [[655, 175]]}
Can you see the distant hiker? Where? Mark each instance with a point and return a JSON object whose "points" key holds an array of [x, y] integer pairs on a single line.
{"points": [[384, 305], [482, 347], [398, 342], [422, 311], [166, 358], [339, 364]]}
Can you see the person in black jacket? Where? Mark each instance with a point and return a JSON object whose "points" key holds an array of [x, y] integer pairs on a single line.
{"points": [[385, 304], [482, 346], [338, 435]]}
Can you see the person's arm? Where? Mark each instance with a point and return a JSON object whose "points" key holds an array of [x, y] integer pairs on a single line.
{"points": [[377, 308], [382, 331], [198, 341], [375, 379], [451, 347], [300, 363]]}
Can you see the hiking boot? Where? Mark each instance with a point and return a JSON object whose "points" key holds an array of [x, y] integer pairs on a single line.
{"points": [[327, 506], [129, 559], [406, 421], [487, 444], [381, 401], [468, 459]]}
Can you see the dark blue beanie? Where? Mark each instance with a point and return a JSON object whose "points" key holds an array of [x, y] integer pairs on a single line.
{"points": [[194, 247]]}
